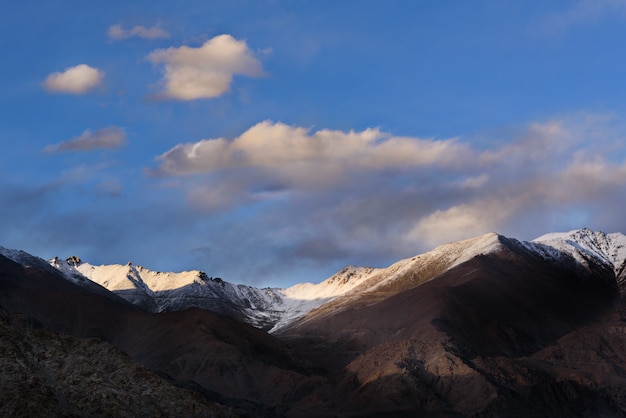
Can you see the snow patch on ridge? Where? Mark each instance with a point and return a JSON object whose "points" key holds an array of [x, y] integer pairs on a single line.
{"points": [[338, 284], [440, 259], [584, 244], [462, 251], [23, 258], [169, 291]]}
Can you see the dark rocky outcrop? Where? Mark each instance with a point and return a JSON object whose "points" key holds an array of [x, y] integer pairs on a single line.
{"points": [[45, 374]]}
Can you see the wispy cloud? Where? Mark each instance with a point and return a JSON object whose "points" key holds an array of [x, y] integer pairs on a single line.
{"points": [[118, 33], [533, 183], [204, 72], [111, 137], [581, 13], [371, 194], [110, 187], [74, 80]]}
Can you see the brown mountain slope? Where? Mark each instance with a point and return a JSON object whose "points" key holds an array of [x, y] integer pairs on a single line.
{"points": [[472, 340]]}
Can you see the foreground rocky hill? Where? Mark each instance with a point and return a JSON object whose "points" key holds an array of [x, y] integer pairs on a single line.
{"points": [[44, 374]]}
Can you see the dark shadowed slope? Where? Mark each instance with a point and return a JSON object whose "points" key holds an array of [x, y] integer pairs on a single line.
{"points": [[45, 374], [471, 340]]}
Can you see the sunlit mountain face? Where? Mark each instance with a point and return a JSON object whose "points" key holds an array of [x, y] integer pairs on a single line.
{"points": [[491, 326]]}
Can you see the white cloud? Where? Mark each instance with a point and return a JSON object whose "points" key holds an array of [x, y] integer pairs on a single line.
{"points": [[107, 138], [118, 33], [204, 72], [299, 153], [74, 80]]}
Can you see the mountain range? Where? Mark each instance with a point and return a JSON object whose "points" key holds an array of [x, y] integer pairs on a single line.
{"points": [[490, 326]]}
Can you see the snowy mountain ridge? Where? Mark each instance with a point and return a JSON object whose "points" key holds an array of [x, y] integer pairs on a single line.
{"points": [[269, 308], [442, 258], [274, 308], [168, 291]]}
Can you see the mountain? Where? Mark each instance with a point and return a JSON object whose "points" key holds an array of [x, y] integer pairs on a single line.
{"points": [[272, 309], [487, 327], [266, 308], [155, 291], [188, 348]]}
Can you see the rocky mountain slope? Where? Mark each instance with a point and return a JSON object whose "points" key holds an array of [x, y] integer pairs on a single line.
{"points": [[486, 327], [44, 374], [493, 335]]}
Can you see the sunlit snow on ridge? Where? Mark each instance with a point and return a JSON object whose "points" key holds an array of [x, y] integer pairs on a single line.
{"points": [[275, 308]]}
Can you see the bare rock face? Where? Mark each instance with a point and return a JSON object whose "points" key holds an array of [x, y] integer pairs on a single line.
{"points": [[46, 374]]}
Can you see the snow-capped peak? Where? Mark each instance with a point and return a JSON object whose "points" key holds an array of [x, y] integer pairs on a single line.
{"points": [[608, 249]]}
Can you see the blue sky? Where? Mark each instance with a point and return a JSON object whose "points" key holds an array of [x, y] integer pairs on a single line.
{"points": [[273, 142]]}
